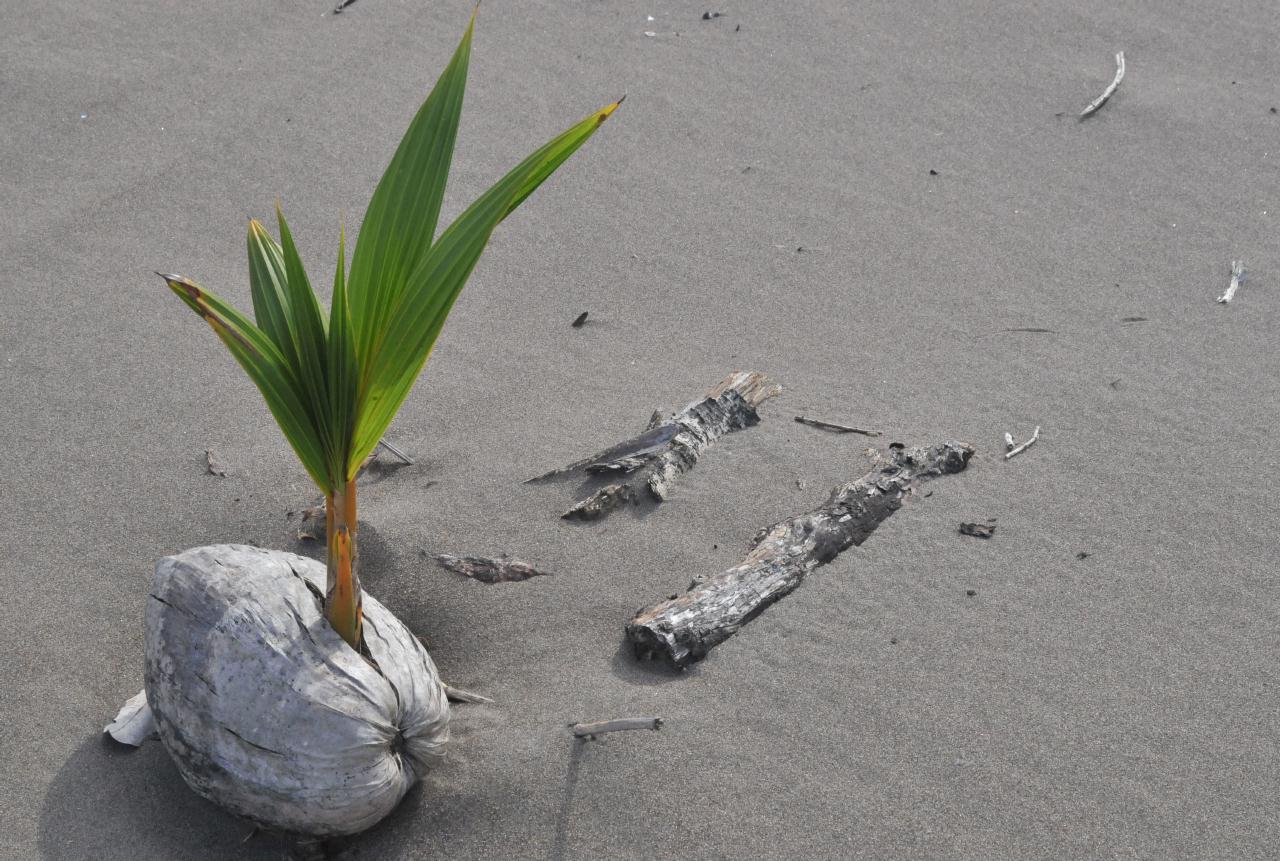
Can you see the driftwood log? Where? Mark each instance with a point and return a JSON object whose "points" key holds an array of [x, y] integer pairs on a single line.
{"points": [[685, 628], [267, 711], [652, 462]]}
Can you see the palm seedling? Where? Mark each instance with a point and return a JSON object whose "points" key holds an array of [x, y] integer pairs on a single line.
{"points": [[334, 381]]}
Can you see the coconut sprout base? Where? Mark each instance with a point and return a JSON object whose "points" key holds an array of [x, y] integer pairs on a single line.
{"points": [[266, 710]]}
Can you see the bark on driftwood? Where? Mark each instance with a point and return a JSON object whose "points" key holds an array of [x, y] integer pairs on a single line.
{"points": [[669, 447], [267, 711], [489, 570], [684, 629]]}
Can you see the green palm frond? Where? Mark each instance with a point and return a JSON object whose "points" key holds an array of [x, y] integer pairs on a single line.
{"points": [[334, 382]]}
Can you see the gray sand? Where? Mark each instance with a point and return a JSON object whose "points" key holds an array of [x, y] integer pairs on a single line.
{"points": [[1119, 706]]}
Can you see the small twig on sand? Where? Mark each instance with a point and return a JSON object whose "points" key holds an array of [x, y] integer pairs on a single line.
{"points": [[397, 452], [580, 320], [1026, 445], [458, 695], [1111, 88], [1008, 441], [342, 4], [591, 730], [832, 426], [1237, 278]]}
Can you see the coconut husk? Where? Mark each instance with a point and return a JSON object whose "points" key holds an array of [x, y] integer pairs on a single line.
{"points": [[267, 711]]}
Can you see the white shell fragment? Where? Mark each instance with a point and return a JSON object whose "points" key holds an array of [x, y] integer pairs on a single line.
{"points": [[267, 711], [134, 723]]}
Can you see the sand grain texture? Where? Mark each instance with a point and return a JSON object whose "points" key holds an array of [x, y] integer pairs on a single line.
{"points": [[1117, 706]]}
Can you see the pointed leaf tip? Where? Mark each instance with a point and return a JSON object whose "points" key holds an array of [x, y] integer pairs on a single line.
{"points": [[605, 112]]}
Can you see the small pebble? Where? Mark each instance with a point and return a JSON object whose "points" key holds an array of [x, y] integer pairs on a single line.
{"points": [[971, 592]]}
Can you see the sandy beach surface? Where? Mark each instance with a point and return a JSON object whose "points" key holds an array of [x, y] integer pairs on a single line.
{"points": [[766, 199]]}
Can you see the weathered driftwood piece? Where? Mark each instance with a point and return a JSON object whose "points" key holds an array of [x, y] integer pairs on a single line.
{"points": [[1019, 449], [591, 730], [671, 446], [979, 530], [267, 711], [489, 570], [1237, 278], [1111, 88], [832, 426], [685, 628], [134, 723]]}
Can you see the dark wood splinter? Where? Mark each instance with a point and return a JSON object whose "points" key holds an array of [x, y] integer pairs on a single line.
{"points": [[685, 628]]}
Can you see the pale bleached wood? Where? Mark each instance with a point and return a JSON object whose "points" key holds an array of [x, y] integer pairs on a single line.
{"points": [[1111, 88], [591, 730], [1237, 278], [1019, 449], [685, 628]]}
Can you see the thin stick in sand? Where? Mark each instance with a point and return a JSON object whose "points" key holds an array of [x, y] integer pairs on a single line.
{"points": [[832, 426], [458, 695], [1237, 278], [397, 452], [591, 730], [1111, 88], [1026, 445]]}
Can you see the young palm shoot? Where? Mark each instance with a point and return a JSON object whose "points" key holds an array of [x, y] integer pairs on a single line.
{"points": [[335, 381]]}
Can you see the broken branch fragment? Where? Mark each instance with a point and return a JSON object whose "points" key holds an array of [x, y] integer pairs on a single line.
{"points": [[670, 447], [685, 628], [489, 570], [1237, 278], [591, 730], [979, 530], [832, 426], [1111, 88], [1017, 450]]}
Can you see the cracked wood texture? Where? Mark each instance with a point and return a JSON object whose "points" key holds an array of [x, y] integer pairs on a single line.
{"points": [[685, 628], [267, 711], [654, 461]]}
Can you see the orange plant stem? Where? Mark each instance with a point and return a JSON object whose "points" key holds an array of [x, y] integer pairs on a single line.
{"points": [[342, 592]]}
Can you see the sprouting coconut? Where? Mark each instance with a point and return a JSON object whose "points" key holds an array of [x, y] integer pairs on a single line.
{"points": [[291, 698]]}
